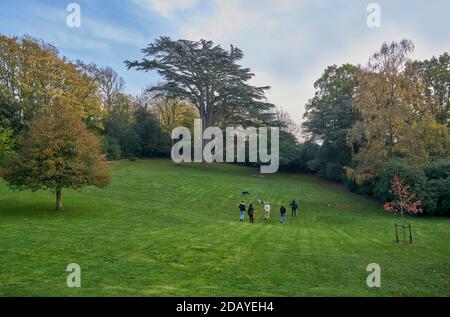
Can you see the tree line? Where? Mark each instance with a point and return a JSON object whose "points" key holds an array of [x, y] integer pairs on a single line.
{"points": [[62, 120], [364, 126], [368, 124]]}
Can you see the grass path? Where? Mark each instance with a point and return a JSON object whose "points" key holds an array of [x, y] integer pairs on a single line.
{"points": [[161, 229]]}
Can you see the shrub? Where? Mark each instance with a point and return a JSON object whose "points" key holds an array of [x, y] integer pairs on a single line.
{"points": [[334, 172], [437, 189], [112, 149], [437, 197], [437, 170], [365, 188], [411, 174]]}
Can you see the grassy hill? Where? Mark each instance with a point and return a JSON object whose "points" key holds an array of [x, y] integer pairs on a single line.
{"points": [[161, 229]]}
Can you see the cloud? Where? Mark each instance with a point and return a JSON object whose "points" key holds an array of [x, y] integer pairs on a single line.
{"points": [[91, 31], [112, 32], [262, 29], [166, 8], [288, 44]]}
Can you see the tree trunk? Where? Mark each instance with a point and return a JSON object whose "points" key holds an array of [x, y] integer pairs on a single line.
{"points": [[59, 206]]}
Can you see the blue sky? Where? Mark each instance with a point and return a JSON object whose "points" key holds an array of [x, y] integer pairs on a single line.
{"points": [[287, 43]]}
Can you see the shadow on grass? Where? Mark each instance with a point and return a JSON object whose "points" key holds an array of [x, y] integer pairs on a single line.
{"points": [[10, 208]]}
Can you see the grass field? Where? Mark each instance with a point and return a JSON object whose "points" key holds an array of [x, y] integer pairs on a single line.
{"points": [[165, 230]]}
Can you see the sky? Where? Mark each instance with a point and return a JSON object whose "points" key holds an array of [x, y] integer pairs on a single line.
{"points": [[287, 43]]}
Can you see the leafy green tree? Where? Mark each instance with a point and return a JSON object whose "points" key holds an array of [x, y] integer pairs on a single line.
{"points": [[6, 142], [119, 116], [410, 173], [289, 149], [130, 143], [9, 111], [57, 152], [329, 117], [112, 149], [435, 75], [330, 114], [437, 193], [438, 170], [153, 141], [305, 156]]}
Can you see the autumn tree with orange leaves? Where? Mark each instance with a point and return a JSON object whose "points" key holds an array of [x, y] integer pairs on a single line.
{"points": [[402, 202], [57, 152]]}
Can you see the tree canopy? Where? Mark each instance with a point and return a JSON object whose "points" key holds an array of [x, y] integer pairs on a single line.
{"points": [[32, 74], [435, 76], [396, 120], [209, 77], [57, 152], [329, 117]]}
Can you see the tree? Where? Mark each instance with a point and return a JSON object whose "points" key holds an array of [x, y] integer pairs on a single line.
{"points": [[32, 74], [329, 117], [410, 173], [9, 110], [288, 143], [130, 143], [435, 75], [6, 142], [154, 141], [119, 116], [402, 202], [57, 152], [330, 114], [207, 76], [110, 86], [118, 119], [174, 113], [395, 120], [171, 113]]}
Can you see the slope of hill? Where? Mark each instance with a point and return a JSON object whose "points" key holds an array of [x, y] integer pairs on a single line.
{"points": [[161, 229]]}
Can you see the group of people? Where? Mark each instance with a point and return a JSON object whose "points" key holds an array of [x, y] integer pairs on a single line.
{"points": [[251, 211]]}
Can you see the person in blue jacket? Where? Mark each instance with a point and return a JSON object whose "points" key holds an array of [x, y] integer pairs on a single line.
{"points": [[283, 214], [294, 207]]}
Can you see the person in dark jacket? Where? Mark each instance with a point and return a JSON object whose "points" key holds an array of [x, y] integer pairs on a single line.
{"points": [[242, 211], [251, 212], [294, 207], [283, 214]]}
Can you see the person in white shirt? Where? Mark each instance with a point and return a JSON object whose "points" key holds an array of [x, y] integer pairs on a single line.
{"points": [[266, 210], [242, 211]]}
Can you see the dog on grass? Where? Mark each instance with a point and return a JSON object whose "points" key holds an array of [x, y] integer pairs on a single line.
{"points": [[245, 193]]}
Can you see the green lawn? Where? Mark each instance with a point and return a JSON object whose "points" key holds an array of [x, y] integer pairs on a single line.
{"points": [[167, 230]]}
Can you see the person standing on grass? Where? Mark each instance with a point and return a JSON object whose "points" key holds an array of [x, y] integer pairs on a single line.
{"points": [[266, 210], [242, 211], [251, 212], [294, 207], [283, 214]]}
